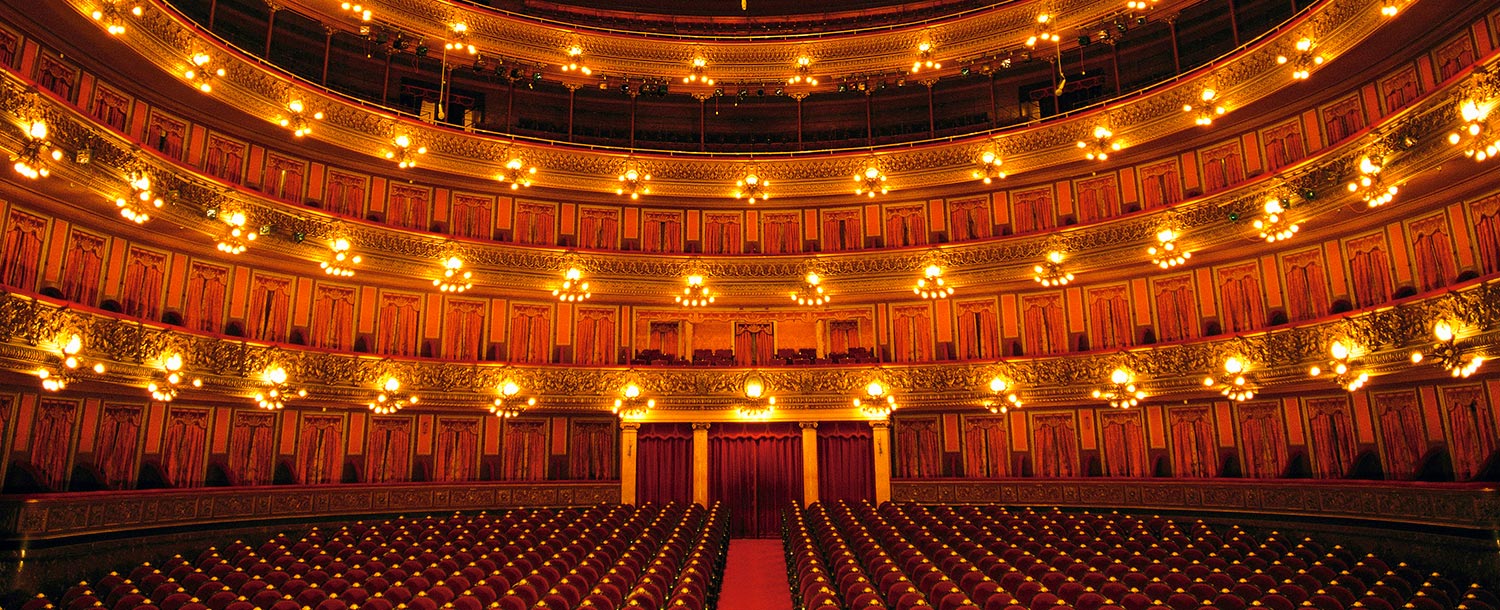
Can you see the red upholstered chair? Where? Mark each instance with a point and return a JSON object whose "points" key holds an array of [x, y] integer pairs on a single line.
{"points": [[1135, 601], [1376, 603], [1229, 601]]}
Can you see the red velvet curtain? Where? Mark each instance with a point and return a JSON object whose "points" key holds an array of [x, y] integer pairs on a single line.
{"points": [[970, 220], [1194, 451], [252, 447], [463, 332], [978, 331], [1243, 299], [663, 233], [141, 296], [598, 229], [1176, 315], [320, 449], [592, 454], [781, 234], [530, 333], [905, 227], [595, 343], [1370, 270], [664, 463], [1042, 324], [389, 456], [1331, 432], [721, 234], [918, 448], [756, 471], [1055, 445], [471, 216], [408, 208], [118, 445], [1401, 433], [664, 337], [333, 318], [1486, 214], [185, 448], [1472, 439], [986, 447], [846, 461], [270, 307], [81, 267], [1262, 439], [456, 457], [1109, 318], [525, 450], [23, 250], [346, 194], [1124, 444], [911, 336], [842, 335], [753, 344], [534, 224], [52, 442], [204, 309], [1434, 253]]}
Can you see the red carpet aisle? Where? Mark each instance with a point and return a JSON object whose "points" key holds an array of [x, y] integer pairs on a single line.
{"points": [[755, 576]]}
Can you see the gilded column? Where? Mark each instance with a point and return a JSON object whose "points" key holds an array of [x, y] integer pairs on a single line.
{"points": [[700, 464], [628, 432], [809, 462], [882, 440]]}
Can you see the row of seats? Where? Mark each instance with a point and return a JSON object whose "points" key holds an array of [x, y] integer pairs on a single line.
{"points": [[602, 557], [782, 357], [907, 556]]}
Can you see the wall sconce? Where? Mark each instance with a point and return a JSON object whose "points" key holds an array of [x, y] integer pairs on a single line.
{"points": [[757, 405], [112, 15], [455, 279], [403, 153], [1306, 59], [1370, 183], [236, 238], [1449, 352], [1165, 253], [1342, 367], [506, 405], [989, 167], [1122, 392], [1475, 135], [66, 363], [810, 293], [170, 380], [931, 284], [137, 207], [200, 75], [573, 288], [1234, 384], [36, 150], [341, 259], [391, 399], [632, 404], [1050, 272], [1101, 145], [879, 404], [278, 390], [1208, 108], [298, 119], [1003, 396], [1273, 225], [517, 173]]}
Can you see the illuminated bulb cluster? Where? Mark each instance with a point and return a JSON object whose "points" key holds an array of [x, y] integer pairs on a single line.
{"points": [[931, 285], [454, 279], [36, 151], [757, 405], [575, 61], [68, 363], [1103, 143], [803, 73], [171, 380], [1050, 272], [391, 399], [341, 261], [506, 405], [236, 238], [989, 167], [1122, 392], [752, 187], [573, 288], [1140, 5], [137, 207], [1005, 396], [297, 118], [870, 181], [1043, 31], [879, 405], [1208, 108], [696, 72], [1476, 136], [403, 154], [1273, 224], [357, 10], [1233, 385], [1449, 354], [1370, 184], [632, 405], [1389, 8], [1307, 59], [695, 294], [1341, 366], [811, 292], [200, 74], [460, 42], [517, 173], [1165, 253], [633, 182], [924, 59], [278, 390], [112, 16]]}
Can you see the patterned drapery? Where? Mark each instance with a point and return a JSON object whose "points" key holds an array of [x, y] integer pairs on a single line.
{"points": [[1402, 435], [388, 455], [252, 446], [463, 330], [525, 449], [184, 451], [978, 330], [1110, 323], [1034, 210], [841, 230], [1042, 327], [1472, 437], [918, 449], [320, 449], [1433, 252], [399, 328], [721, 233], [204, 306], [1263, 445], [662, 232], [970, 219], [598, 229], [986, 447], [332, 317], [1161, 184], [455, 456], [81, 267], [530, 333], [1054, 445], [1331, 436], [1195, 453], [535, 224], [595, 341], [842, 335], [781, 233], [591, 454], [406, 207], [1369, 269], [1485, 214], [911, 333], [142, 292], [663, 337], [117, 444], [1124, 444], [754, 343], [906, 226], [345, 194], [1176, 308], [23, 250], [270, 308], [471, 216], [1098, 198], [1241, 297], [52, 442], [1306, 285]]}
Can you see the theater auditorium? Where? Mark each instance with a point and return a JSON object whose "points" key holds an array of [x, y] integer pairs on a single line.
{"points": [[749, 304]]}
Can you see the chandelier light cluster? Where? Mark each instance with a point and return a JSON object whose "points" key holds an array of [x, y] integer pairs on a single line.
{"points": [[632, 404], [1234, 383], [1370, 184], [878, 403], [1273, 224], [236, 237], [1122, 392], [1208, 108], [1101, 145], [1389, 8], [752, 187], [695, 294], [1342, 367], [341, 259], [460, 42], [1449, 353], [455, 279], [633, 181], [573, 288], [989, 168], [696, 75], [1141, 5], [1043, 31], [37, 152], [402, 152], [1050, 272], [200, 75], [298, 119], [1304, 61], [356, 10], [575, 63], [111, 13], [391, 399], [170, 380], [517, 173], [802, 72], [137, 207], [870, 181], [65, 365], [507, 404], [1165, 253], [757, 405], [810, 293], [1003, 396], [931, 284], [1478, 139], [278, 390], [924, 59]]}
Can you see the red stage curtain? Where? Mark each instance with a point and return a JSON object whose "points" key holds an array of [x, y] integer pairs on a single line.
{"points": [[846, 462], [252, 447], [204, 308], [81, 268], [118, 445], [1124, 444], [1055, 445], [23, 250], [52, 442], [918, 453], [781, 234], [595, 343], [1399, 418], [1486, 215], [463, 336], [721, 234], [986, 447], [598, 229], [842, 335], [592, 455], [664, 463], [525, 450], [1194, 451], [1472, 439], [270, 306], [346, 194], [1331, 435], [471, 216], [184, 451], [664, 337], [663, 232], [756, 471], [753, 344], [534, 224], [1262, 439], [333, 318], [389, 456], [320, 449], [456, 457]]}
